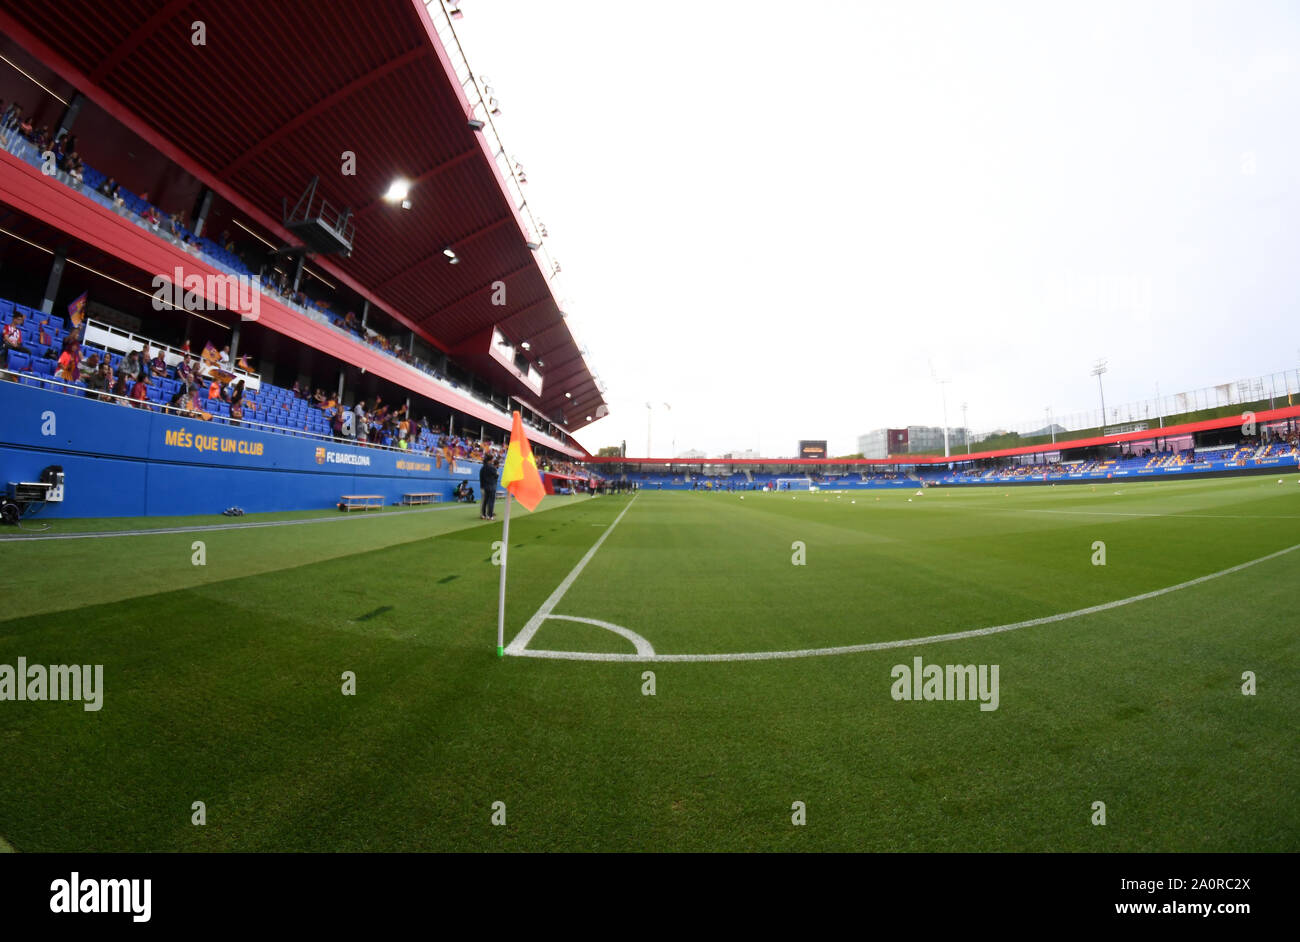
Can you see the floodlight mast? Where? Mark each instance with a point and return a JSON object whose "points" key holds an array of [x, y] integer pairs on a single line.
{"points": [[943, 393], [1099, 368]]}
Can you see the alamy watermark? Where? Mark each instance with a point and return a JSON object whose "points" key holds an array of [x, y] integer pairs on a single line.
{"points": [[195, 292], [946, 682], [84, 682], [78, 894]]}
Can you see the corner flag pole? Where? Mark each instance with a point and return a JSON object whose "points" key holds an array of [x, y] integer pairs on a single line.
{"points": [[501, 596]]}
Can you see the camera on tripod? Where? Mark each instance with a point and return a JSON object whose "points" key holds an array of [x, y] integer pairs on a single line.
{"points": [[23, 498]]}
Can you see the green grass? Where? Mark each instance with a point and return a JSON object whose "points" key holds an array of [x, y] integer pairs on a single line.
{"points": [[222, 682]]}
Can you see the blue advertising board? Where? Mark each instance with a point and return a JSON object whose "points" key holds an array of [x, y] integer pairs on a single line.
{"points": [[122, 461]]}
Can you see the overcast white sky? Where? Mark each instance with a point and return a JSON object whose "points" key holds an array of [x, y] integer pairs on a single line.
{"points": [[775, 216]]}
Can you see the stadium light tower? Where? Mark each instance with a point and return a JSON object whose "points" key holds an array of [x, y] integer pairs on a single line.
{"points": [[943, 393], [1099, 368], [671, 429], [1051, 426]]}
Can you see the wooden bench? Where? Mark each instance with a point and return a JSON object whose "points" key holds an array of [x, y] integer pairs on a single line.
{"points": [[421, 497], [361, 502]]}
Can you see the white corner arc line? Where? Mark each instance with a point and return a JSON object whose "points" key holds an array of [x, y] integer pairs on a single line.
{"points": [[906, 643], [525, 635], [643, 647]]}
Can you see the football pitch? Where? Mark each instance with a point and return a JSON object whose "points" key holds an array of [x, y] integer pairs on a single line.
{"points": [[979, 669]]}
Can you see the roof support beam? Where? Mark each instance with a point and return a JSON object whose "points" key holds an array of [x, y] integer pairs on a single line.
{"points": [[325, 104], [138, 36], [476, 293], [438, 253]]}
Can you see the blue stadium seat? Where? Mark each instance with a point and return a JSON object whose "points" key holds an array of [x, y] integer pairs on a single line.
{"points": [[43, 365], [19, 362]]}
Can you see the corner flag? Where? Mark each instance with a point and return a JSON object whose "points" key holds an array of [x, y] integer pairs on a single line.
{"points": [[520, 479], [519, 476]]}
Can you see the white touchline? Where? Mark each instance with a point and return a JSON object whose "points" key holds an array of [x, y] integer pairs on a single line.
{"points": [[521, 640], [210, 527], [1173, 516], [537, 619]]}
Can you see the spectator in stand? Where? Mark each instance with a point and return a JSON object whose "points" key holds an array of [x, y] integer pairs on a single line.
{"points": [[223, 361], [70, 361], [13, 114], [336, 423], [131, 365], [158, 365], [13, 336], [140, 392], [185, 371], [360, 425], [101, 380], [75, 169], [237, 403], [111, 189], [120, 389]]}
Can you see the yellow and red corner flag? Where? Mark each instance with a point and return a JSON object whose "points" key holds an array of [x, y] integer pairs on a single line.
{"points": [[520, 476], [520, 479]]}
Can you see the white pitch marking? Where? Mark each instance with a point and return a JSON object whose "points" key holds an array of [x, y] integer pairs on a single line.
{"points": [[1120, 513], [387, 514], [887, 645], [521, 640], [643, 647]]}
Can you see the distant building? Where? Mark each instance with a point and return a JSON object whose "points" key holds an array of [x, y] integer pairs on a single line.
{"points": [[747, 453], [691, 455], [915, 439]]}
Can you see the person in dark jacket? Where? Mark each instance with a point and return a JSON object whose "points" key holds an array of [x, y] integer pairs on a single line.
{"points": [[487, 482]]}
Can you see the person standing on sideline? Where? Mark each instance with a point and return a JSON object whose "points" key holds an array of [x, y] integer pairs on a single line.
{"points": [[487, 482]]}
